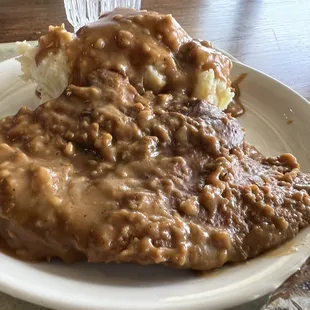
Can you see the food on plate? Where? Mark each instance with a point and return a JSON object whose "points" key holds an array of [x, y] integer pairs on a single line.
{"points": [[116, 171], [151, 49]]}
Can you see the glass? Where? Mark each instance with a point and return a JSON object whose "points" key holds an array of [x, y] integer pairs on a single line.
{"points": [[82, 12]]}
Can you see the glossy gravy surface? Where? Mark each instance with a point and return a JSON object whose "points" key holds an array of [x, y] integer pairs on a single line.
{"points": [[105, 174], [126, 166], [138, 44]]}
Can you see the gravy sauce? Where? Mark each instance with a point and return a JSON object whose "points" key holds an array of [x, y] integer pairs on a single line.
{"points": [[117, 170], [138, 45], [236, 108]]}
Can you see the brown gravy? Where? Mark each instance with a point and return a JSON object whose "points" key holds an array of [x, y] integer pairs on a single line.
{"points": [[236, 108], [104, 174], [114, 172], [133, 44]]}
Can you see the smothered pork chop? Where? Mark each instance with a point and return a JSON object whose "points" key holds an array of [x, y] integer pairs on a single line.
{"points": [[114, 172], [105, 174]]}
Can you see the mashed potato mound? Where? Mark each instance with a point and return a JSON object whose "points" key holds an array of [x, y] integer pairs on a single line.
{"points": [[53, 72]]}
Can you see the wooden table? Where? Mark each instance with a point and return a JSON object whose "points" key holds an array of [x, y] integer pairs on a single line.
{"points": [[271, 35]]}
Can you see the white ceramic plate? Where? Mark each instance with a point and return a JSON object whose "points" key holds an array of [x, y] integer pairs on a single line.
{"points": [[269, 105]]}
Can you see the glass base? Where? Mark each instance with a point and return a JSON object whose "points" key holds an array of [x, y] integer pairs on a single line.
{"points": [[82, 12]]}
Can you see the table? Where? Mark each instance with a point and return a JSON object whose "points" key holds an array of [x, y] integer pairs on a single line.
{"points": [[270, 35]]}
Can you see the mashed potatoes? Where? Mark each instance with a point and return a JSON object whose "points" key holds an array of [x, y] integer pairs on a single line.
{"points": [[150, 49], [51, 75], [213, 90]]}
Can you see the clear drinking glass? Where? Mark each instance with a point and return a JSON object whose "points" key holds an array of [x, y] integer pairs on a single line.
{"points": [[82, 12]]}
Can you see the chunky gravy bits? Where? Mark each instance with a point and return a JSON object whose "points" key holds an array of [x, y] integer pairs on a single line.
{"points": [[105, 173], [151, 49], [129, 166]]}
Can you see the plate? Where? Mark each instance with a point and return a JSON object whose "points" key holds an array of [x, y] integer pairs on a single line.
{"points": [[276, 121], [9, 50]]}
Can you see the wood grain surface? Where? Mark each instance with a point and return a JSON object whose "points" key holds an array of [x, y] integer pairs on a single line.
{"points": [[270, 35]]}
